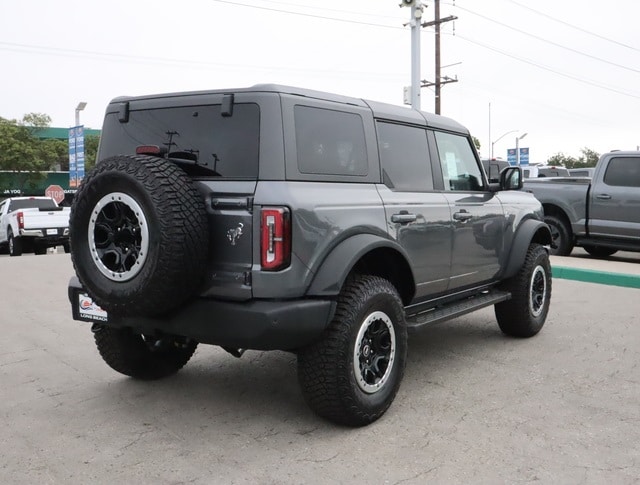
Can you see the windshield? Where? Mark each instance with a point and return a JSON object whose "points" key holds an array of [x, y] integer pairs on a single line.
{"points": [[225, 145]]}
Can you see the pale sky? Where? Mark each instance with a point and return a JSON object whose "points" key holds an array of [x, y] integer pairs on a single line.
{"points": [[566, 72]]}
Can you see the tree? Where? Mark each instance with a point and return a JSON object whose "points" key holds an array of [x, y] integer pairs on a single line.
{"points": [[90, 151], [589, 158], [476, 142], [21, 152], [562, 159]]}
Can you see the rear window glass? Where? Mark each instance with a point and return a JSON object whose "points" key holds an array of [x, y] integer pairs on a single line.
{"points": [[228, 145], [31, 204], [330, 142]]}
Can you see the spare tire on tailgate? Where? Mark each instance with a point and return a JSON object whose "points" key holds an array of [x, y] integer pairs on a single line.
{"points": [[139, 235]]}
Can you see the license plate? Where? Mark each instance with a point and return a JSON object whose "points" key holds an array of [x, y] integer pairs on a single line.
{"points": [[52, 232], [89, 310]]}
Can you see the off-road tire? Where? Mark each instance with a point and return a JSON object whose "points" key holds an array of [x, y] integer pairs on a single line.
{"points": [[337, 380], [142, 357], [525, 313], [15, 244], [67, 247], [599, 251], [561, 243], [139, 235]]}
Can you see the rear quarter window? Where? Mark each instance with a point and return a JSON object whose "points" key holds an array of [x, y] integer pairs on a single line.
{"points": [[330, 142]]}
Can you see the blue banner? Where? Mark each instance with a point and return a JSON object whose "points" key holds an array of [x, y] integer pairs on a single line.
{"points": [[76, 155]]}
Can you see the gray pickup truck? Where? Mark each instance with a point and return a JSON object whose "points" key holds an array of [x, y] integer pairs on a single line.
{"points": [[600, 214], [279, 218]]}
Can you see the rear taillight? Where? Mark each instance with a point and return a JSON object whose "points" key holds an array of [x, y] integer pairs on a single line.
{"points": [[275, 238], [20, 217]]}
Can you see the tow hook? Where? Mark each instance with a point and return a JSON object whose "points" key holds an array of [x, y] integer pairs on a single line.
{"points": [[235, 352]]}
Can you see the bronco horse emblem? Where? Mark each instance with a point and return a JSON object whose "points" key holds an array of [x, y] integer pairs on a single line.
{"points": [[234, 234]]}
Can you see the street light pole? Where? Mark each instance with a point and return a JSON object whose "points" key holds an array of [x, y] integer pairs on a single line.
{"points": [[518, 138], [500, 138], [81, 105]]}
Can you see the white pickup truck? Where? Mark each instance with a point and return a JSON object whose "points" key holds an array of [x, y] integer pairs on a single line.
{"points": [[33, 224]]}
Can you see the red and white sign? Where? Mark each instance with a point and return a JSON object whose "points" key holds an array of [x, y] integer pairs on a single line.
{"points": [[55, 192]]}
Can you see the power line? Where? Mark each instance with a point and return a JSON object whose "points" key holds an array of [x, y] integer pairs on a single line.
{"points": [[527, 61], [575, 26], [72, 52], [95, 55], [370, 24], [542, 39], [546, 68], [348, 12]]}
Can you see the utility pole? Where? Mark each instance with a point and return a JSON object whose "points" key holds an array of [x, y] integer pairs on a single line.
{"points": [[439, 81]]}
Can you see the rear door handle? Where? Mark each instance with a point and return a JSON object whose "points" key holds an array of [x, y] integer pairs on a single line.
{"points": [[403, 218], [603, 196], [462, 216]]}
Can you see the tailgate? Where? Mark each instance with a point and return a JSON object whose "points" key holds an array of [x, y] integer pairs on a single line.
{"points": [[46, 219], [230, 212]]}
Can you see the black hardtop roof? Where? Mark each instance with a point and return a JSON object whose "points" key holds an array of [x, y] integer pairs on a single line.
{"points": [[380, 110]]}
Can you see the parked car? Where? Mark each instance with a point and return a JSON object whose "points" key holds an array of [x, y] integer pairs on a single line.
{"points": [[493, 167], [33, 224], [535, 171], [279, 218], [599, 214]]}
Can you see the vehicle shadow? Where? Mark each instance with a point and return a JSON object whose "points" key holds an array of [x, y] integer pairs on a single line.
{"points": [[620, 256], [262, 387]]}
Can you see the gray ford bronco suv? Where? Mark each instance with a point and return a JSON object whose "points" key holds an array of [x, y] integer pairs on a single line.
{"points": [[279, 218]]}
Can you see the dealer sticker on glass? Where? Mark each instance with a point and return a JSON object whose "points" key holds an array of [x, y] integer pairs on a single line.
{"points": [[88, 309]]}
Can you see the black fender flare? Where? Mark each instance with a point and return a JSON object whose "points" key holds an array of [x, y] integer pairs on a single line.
{"points": [[531, 230], [335, 268]]}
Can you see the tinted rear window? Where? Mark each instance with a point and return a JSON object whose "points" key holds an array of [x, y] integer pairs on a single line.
{"points": [[229, 145], [330, 142], [31, 204]]}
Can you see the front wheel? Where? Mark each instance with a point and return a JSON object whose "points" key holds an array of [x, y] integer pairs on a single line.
{"points": [[352, 375], [140, 356], [525, 313]]}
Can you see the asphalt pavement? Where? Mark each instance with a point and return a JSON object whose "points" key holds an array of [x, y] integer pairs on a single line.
{"points": [[474, 406]]}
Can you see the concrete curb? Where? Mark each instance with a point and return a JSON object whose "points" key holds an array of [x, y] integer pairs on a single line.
{"points": [[592, 276]]}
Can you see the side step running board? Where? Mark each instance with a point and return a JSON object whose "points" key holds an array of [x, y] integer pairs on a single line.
{"points": [[456, 309]]}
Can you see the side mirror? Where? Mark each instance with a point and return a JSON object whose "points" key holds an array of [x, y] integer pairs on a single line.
{"points": [[511, 178]]}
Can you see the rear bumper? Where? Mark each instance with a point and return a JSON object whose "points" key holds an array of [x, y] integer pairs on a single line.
{"points": [[256, 324], [52, 232], [46, 237]]}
